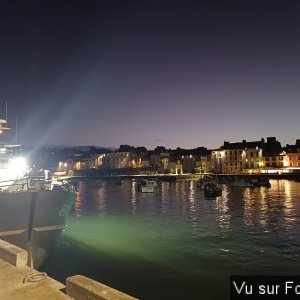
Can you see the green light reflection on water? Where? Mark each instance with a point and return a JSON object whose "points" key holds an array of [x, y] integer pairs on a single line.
{"points": [[120, 236], [142, 243], [147, 253]]}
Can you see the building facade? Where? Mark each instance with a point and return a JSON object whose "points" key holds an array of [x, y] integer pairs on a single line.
{"points": [[248, 157], [119, 160]]}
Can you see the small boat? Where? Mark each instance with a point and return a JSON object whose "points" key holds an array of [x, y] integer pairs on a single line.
{"points": [[148, 186], [261, 181], [148, 189], [206, 180], [96, 183], [241, 182], [224, 179], [212, 190]]}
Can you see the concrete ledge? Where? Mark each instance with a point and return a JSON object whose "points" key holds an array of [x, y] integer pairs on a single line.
{"points": [[13, 287], [13, 254], [82, 288]]}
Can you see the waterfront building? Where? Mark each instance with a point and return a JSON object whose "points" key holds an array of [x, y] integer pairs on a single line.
{"points": [[293, 156], [231, 158], [145, 161], [88, 161], [274, 158], [119, 160], [175, 167], [204, 164], [160, 159], [83, 164], [92, 159], [275, 161], [248, 157], [294, 160], [236, 158], [191, 160], [188, 163], [80, 158], [66, 167]]}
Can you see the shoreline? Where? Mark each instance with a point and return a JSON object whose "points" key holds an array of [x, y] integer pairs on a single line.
{"points": [[173, 178]]}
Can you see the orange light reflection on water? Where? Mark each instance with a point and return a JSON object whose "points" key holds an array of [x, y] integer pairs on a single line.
{"points": [[264, 205], [133, 196], [223, 215]]}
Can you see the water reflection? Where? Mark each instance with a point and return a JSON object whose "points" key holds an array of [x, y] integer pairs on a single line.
{"points": [[223, 215], [100, 203], [164, 190], [289, 210], [250, 217], [78, 202], [133, 190], [272, 208], [192, 210], [177, 235], [85, 200], [258, 206]]}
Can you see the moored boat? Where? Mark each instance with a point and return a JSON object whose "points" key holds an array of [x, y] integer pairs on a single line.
{"points": [[241, 182], [261, 182], [148, 186], [212, 190], [148, 189], [206, 180], [33, 212], [96, 183], [33, 219]]}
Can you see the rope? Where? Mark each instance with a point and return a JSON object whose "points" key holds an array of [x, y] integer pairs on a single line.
{"points": [[34, 277]]}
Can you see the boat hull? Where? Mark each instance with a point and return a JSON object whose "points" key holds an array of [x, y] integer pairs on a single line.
{"points": [[241, 184], [148, 189], [33, 220]]}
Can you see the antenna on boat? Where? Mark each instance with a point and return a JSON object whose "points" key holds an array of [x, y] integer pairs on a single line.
{"points": [[16, 130], [6, 113]]}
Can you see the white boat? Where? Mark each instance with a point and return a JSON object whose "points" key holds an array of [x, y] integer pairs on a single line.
{"points": [[149, 186], [33, 211], [148, 189]]}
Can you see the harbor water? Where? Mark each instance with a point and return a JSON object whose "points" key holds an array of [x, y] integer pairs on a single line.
{"points": [[175, 243]]}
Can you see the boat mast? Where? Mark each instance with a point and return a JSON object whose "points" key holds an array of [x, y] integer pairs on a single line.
{"points": [[16, 130], [6, 113]]}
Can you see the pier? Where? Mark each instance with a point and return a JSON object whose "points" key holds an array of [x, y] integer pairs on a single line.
{"points": [[20, 282]]}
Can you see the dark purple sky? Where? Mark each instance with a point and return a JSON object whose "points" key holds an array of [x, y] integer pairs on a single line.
{"points": [[147, 73]]}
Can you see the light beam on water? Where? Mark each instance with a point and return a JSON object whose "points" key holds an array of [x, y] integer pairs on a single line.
{"points": [[177, 244]]}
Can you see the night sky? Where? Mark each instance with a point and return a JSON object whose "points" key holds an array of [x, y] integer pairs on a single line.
{"points": [[148, 73]]}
